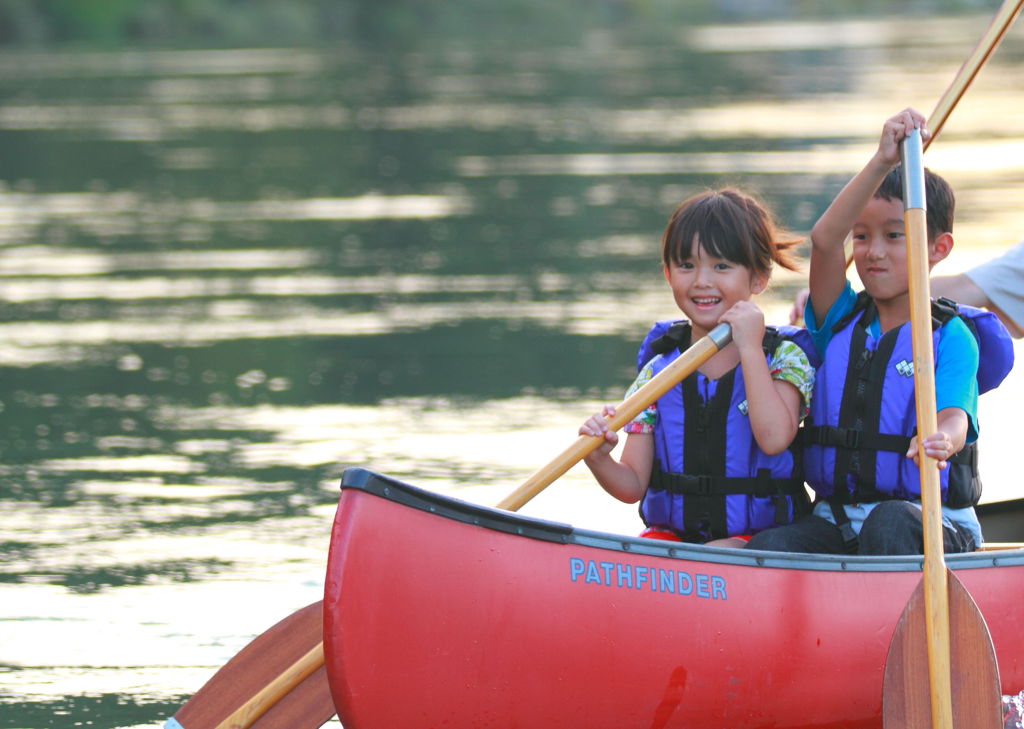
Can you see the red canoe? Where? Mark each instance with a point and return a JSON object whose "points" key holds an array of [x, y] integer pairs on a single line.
{"points": [[440, 613]]}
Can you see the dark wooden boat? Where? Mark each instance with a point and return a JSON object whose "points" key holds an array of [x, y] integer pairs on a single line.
{"points": [[440, 613], [1002, 522]]}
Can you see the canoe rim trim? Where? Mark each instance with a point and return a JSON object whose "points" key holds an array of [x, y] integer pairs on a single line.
{"points": [[385, 487]]}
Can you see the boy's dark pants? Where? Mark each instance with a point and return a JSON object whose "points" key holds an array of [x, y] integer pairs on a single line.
{"points": [[892, 527]]}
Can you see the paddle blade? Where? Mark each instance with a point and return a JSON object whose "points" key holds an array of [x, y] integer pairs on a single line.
{"points": [[306, 706], [975, 690]]}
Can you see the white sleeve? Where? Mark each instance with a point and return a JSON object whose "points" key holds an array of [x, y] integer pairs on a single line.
{"points": [[1002, 280]]}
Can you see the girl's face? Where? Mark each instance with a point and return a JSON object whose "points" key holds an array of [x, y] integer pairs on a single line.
{"points": [[705, 287]]}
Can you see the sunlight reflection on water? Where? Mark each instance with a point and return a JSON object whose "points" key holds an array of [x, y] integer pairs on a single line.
{"points": [[222, 284]]}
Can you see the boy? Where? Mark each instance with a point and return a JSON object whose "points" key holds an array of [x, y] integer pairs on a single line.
{"points": [[996, 285], [861, 449]]}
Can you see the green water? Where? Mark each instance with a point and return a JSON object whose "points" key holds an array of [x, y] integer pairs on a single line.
{"points": [[226, 275]]}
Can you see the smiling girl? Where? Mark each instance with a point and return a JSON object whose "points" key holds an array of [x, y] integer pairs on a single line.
{"points": [[710, 460]]}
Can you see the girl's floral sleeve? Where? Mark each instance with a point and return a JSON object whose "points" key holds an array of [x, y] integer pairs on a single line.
{"points": [[644, 422], [789, 363]]}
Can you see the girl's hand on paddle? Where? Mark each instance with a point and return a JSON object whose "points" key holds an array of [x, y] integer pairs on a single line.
{"points": [[938, 445], [747, 324], [896, 129], [597, 424]]}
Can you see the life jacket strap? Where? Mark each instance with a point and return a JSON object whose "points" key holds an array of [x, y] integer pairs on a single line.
{"points": [[853, 439], [762, 485], [679, 334], [850, 540], [942, 310], [704, 452]]}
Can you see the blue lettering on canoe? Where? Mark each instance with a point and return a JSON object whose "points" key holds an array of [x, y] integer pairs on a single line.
{"points": [[626, 576], [666, 579], [641, 576], [702, 586], [718, 588]]}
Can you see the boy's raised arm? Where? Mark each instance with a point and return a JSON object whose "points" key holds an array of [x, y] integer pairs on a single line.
{"points": [[828, 259]]}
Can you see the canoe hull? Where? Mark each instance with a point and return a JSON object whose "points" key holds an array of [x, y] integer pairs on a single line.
{"points": [[443, 614]]}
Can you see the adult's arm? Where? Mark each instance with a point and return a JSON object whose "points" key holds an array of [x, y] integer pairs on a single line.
{"points": [[961, 288]]}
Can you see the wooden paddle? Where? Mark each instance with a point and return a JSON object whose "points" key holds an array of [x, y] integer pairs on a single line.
{"points": [[628, 409], [983, 50], [278, 681], [252, 690], [985, 47], [917, 692]]}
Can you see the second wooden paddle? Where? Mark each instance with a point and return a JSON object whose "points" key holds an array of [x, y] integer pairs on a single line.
{"points": [[982, 51], [697, 354], [278, 681], [985, 47], [917, 692]]}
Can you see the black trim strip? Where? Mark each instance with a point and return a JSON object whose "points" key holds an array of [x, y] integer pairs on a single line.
{"points": [[993, 508], [455, 509], [550, 531]]}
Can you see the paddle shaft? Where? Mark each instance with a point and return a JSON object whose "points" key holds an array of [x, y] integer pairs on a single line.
{"points": [[694, 357], [684, 365], [983, 50], [985, 47], [936, 589]]}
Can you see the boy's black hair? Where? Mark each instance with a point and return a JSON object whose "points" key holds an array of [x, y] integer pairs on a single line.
{"points": [[940, 200]]}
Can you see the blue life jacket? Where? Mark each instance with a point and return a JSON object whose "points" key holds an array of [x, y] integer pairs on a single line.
{"points": [[709, 478], [863, 413]]}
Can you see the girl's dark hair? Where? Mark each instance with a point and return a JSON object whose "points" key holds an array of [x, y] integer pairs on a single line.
{"points": [[729, 224], [941, 202]]}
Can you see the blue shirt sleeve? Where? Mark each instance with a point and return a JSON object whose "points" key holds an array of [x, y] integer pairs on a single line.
{"points": [[822, 335], [956, 372]]}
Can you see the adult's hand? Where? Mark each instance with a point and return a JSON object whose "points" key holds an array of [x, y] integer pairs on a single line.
{"points": [[796, 314]]}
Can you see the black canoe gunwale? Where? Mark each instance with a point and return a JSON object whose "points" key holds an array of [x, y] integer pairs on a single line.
{"points": [[385, 487]]}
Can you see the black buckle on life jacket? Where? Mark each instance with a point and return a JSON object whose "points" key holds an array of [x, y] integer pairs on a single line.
{"points": [[850, 539], [685, 484], [780, 494], [834, 436], [702, 485], [943, 309], [831, 435], [677, 337], [842, 521]]}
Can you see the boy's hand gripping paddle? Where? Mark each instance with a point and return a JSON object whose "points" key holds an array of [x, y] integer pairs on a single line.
{"points": [[982, 51], [941, 670]]}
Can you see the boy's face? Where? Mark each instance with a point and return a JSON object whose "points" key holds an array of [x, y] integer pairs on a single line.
{"points": [[880, 249]]}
